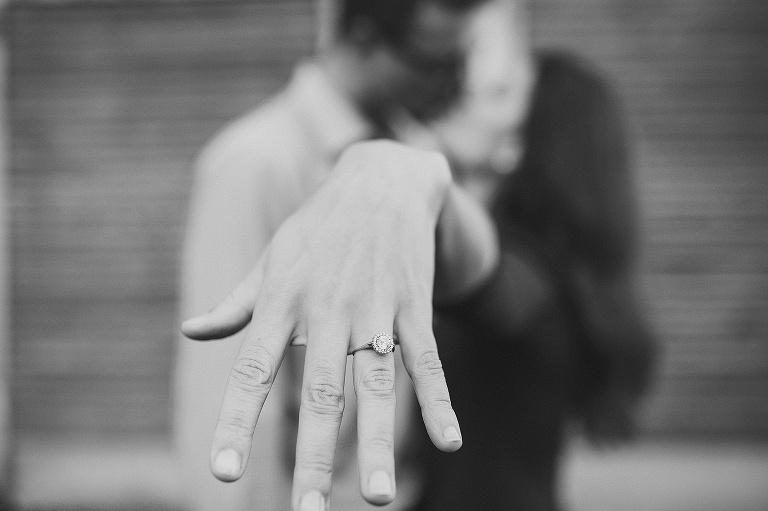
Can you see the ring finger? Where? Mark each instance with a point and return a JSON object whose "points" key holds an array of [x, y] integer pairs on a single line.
{"points": [[374, 380]]}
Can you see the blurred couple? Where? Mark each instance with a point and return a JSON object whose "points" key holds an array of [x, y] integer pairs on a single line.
{"points": [[425, 175]]}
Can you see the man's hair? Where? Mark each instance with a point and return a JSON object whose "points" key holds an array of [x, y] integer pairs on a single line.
{"points": [[391, 19]]}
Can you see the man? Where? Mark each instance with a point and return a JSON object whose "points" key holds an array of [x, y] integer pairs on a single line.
{"points": [[390, 59]]}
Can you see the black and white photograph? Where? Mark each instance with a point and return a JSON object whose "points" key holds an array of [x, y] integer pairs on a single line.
{"points": [[408, 255]]}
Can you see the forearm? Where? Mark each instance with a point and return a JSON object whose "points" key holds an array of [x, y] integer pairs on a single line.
{"points": [[467, 247], [510, 298], [499, 288]]}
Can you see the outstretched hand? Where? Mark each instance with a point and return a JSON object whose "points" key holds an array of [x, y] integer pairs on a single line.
{"points": [[357, 259]]}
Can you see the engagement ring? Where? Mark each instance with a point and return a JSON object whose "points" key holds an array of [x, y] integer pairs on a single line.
{"points": [[381, 343]]}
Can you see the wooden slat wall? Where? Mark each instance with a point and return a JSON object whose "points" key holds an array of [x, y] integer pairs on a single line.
{"points": [[5, 336], [110, 101], [109, 105], [694, 78]]}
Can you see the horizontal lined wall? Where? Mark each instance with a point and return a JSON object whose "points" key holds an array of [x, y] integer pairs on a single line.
{"points": [[110, 101], [693, 75]]}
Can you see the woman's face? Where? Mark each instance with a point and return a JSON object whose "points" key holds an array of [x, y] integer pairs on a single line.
{"points": [[499, 77]]}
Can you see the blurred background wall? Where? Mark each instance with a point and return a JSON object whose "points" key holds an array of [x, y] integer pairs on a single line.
{"points": [[694, 78], [108, 101], [5, 337]]}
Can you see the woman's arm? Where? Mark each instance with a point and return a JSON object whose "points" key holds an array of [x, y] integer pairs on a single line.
{"points": [[356, 259]]}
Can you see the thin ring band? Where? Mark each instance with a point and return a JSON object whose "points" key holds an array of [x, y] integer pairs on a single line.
{"points": [[382, 343]]}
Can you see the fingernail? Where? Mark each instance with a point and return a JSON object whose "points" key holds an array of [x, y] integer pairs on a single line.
{"points": [[451, 434], [312, 501], [227, 463], [380, 483], [191, 324]]}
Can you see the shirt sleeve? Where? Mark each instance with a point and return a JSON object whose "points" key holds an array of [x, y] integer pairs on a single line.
{"points": [[235, 208], [511, 297]]}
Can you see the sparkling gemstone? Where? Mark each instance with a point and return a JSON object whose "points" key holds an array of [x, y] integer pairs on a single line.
{"points": [[383, 343]]}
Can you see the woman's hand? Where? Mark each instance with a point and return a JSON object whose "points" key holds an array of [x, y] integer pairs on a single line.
{"points": [[357, 259]]}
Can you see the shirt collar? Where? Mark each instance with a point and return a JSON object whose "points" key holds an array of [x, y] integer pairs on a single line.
{"points": [[334, 119]]}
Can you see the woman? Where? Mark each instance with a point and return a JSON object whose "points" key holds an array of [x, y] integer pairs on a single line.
{"points": [[583, 353]]}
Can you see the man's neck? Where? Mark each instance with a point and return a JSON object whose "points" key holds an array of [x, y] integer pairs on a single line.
{"points": [[340, 67]]}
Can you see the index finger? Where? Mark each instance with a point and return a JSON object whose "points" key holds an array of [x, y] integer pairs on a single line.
{"points": [[249, 383]]}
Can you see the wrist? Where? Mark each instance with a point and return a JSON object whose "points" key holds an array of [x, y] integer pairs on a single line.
{"points": [[391, 171]]}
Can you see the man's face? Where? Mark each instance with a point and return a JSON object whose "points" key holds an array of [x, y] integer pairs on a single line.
{"points": [[424, 72]]}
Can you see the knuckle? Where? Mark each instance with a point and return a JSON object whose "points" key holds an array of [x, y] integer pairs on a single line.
{"points": [[254, 370], [323, 395], [436, 404], [428, 366], [238, 425], [377, 380], [429, 371], [380, 443], [317, 463], [439, 401]]}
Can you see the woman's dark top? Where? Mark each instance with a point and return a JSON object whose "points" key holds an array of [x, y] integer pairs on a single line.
{"points": [[556, 336]]}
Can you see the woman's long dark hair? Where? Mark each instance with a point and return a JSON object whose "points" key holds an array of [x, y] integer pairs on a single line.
{"points": [[574, 194], [574, 184]]}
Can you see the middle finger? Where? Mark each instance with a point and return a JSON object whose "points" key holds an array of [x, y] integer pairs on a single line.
{"points": [[322, 406]]}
